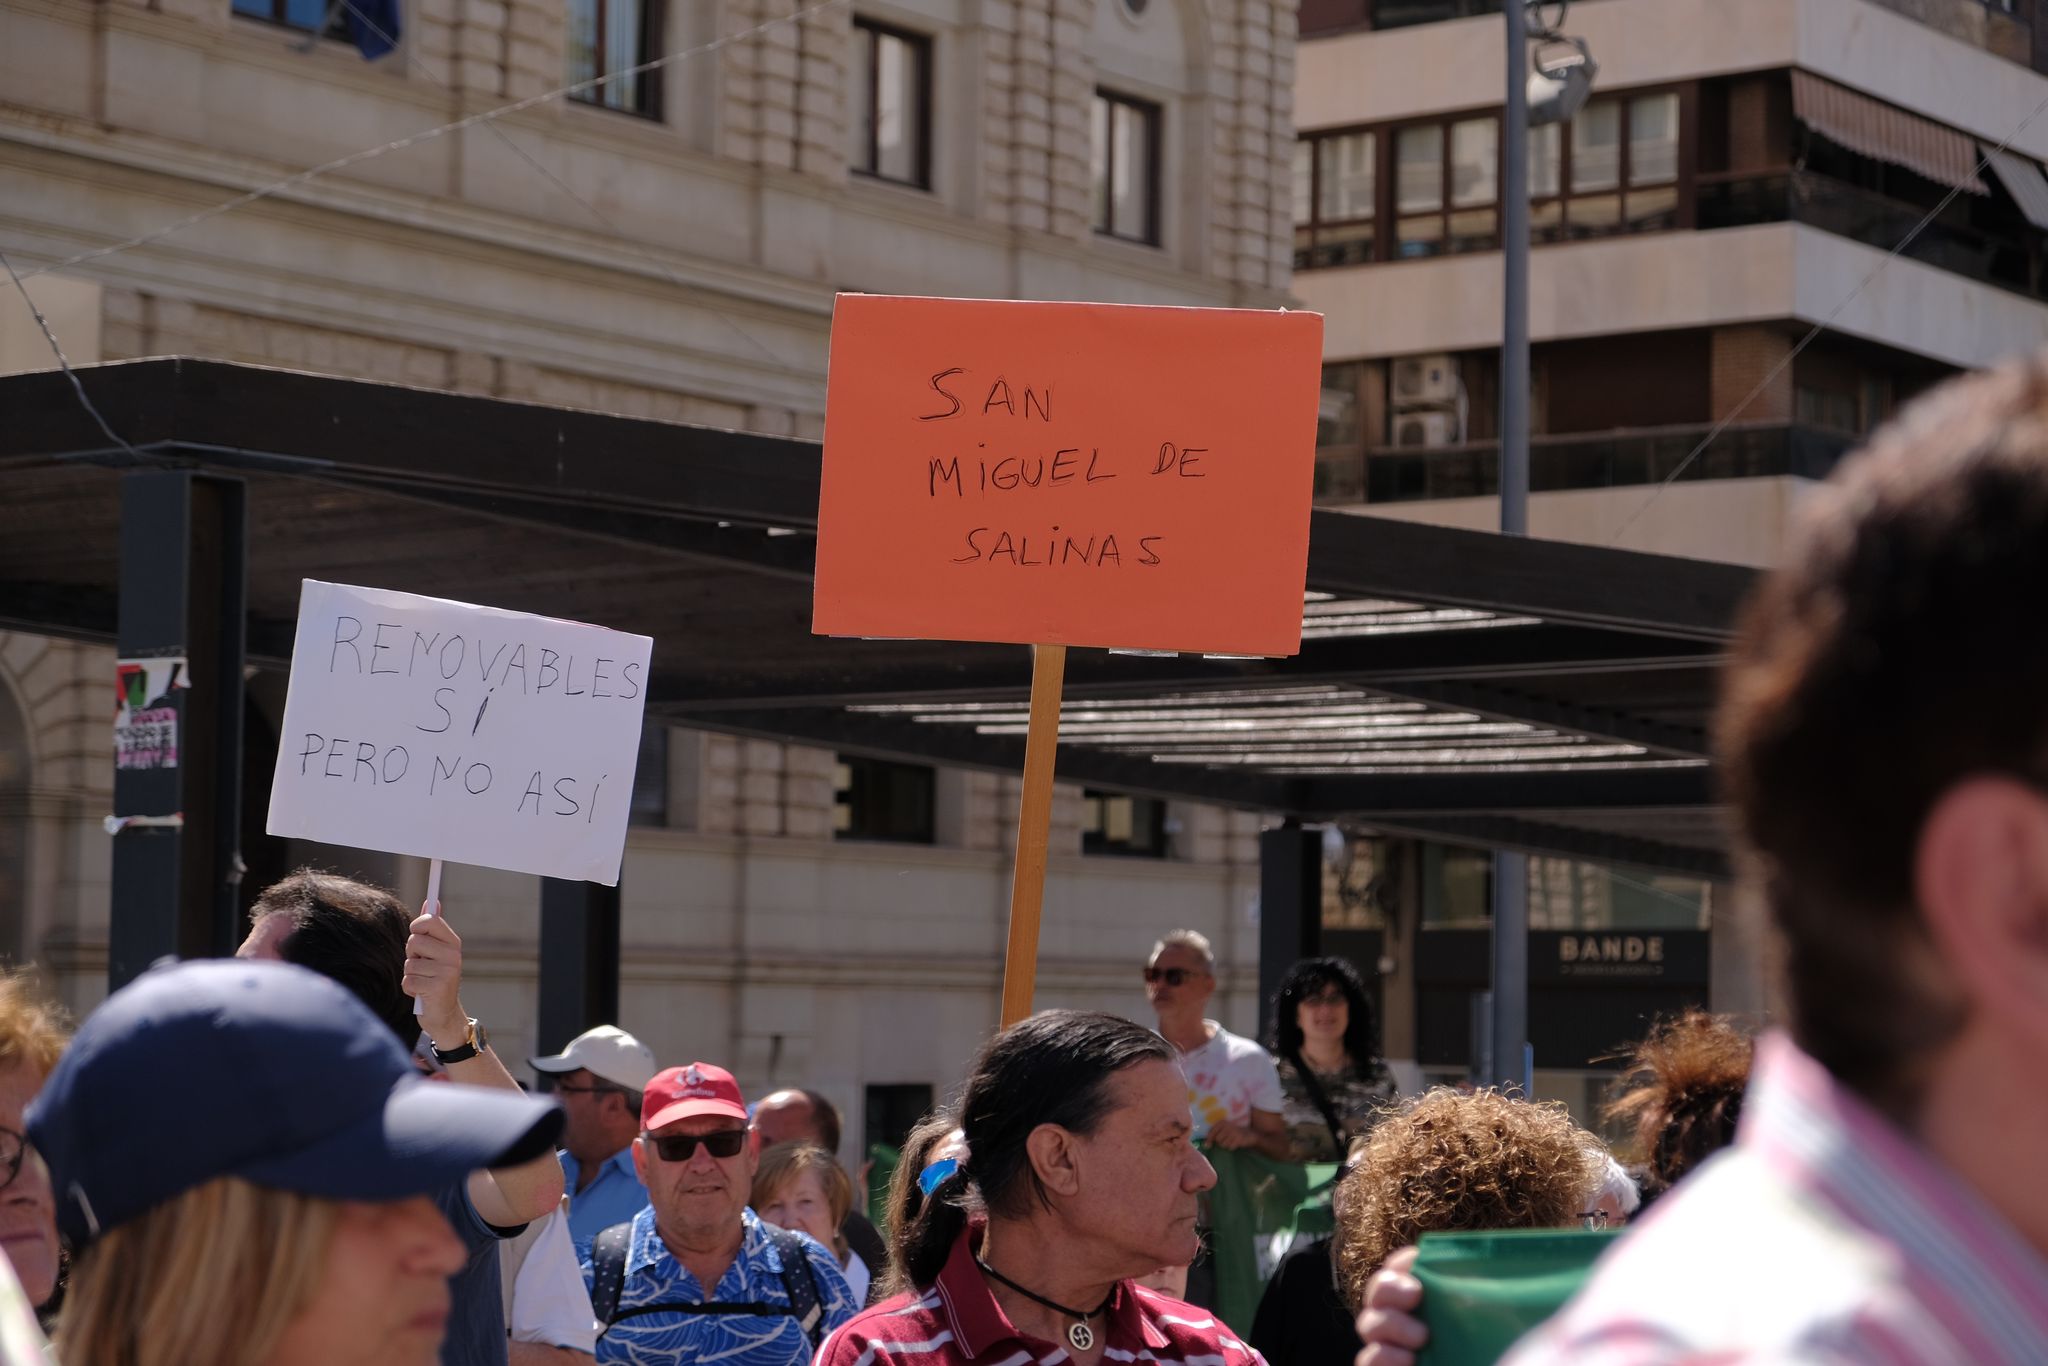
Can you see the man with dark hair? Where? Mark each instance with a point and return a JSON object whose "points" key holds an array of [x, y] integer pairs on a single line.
{"points": [[1884, 739], [361, 937], [806, 1116]]}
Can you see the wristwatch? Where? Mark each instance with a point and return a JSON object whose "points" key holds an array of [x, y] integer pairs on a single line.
{"points": [[473, 1043]]}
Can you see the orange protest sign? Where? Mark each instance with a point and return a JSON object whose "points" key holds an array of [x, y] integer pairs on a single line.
{"points": [[1068, 474]]}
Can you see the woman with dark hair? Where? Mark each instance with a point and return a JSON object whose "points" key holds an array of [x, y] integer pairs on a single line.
{"points": [[1081, 1176], [1330, 1070]]}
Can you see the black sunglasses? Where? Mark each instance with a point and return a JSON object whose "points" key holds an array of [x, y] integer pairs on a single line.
{"points": [[1173, 977], [683, 1147]]}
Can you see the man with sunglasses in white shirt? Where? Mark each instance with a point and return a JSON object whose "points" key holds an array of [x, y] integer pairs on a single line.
{"points": [[696, 1277]]}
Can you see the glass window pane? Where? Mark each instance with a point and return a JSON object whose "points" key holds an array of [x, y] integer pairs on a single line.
{"points": [[1594, 215], [1338, 422], [1474, 230], [1345, 244], [1419, 180], [622, 52], [1098, 161], [861, 127], [583, 45], [1475, 162], [1653, 139], [1653, 209], [1130, 190], [1347, 177], [1304, 188], [899, 97], [1545, 161], [307, 14], [1596, 147], [259, 8]]}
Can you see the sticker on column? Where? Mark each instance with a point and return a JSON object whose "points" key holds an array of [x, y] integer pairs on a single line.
{"points": [[146, 711]]}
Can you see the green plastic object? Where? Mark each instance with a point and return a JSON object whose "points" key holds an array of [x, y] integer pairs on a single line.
{"points": [[1482, 1291]]}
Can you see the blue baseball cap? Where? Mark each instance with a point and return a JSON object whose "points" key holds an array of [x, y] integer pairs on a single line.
{"points": [[263, 1071]]}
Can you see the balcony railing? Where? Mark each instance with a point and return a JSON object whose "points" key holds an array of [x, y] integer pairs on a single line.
{"points": [[1578, 461], [1850, 211]]}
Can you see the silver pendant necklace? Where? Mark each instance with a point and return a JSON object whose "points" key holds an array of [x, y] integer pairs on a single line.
{"points": [[1079, 1334]]}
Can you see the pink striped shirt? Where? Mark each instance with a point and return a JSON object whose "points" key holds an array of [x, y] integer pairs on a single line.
{"points": [[958, 1320], [1825, 1234]]}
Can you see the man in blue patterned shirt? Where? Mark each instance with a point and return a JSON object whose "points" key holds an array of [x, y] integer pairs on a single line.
{"points": [[773, 1296]]}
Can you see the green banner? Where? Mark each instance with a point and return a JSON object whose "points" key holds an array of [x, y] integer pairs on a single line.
{"points": [[1482, 1291]]}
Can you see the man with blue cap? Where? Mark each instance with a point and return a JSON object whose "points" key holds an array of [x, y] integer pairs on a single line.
{"points": [[190, 1235]]}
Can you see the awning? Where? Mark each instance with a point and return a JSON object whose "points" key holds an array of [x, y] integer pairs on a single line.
{"points": [[1883, 131], [2023, 179]]}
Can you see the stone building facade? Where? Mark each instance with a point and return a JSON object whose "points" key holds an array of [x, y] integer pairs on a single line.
{"points": [[676, 259]]}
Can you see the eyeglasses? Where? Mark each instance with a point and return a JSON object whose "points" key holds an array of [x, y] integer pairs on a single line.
{"points": [[588, 1090], [683, 1147], [13, 1148], [1596, 1219], [1332, 997], [1173, 977]]}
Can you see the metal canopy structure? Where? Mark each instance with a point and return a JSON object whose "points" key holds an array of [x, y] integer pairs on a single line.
{"points": [[1454, 685]]}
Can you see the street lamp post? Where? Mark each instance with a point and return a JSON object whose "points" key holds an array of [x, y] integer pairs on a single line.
{"points": [[1510, 1015]]}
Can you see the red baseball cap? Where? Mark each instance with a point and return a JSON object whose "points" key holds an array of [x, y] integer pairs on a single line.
{"points": [[687, 1092]]}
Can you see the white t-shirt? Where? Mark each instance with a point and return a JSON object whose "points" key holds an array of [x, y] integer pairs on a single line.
{"points": [[1228, 1078], [858, 1277], [545, 1298]]}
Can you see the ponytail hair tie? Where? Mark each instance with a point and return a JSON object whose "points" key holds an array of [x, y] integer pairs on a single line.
{"points": [[934, 1176]]}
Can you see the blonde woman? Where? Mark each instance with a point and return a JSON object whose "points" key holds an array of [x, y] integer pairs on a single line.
{"points": [[801, 1187], [244, 1159]]}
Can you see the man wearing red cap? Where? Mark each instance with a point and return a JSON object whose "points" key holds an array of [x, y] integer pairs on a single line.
{"points": [[772, 1295]]}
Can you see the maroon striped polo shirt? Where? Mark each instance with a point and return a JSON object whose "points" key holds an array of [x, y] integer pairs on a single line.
{"points": [[958, 1320]]}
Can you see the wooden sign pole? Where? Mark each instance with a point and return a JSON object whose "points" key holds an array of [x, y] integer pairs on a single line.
{"points": [[1034, 818]]}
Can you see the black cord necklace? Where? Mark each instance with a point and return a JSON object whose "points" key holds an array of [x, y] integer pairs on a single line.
{"points": [[1079, 1334]]}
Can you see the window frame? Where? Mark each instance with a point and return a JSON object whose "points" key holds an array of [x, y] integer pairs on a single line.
{"points": [[864, 833], [1387, 218], [922, 45], [278, 17], [1097, 843], [648, 105], [1154, 116]]}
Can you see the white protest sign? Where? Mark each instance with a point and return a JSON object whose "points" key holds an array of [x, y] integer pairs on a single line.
{"points": [[423, 726]]}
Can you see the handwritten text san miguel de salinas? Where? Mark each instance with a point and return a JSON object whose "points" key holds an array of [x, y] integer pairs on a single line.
{"points": [[455, 677], [985, 473]]}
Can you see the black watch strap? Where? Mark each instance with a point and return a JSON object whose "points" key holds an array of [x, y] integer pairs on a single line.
{"points": [[476, 1043]]}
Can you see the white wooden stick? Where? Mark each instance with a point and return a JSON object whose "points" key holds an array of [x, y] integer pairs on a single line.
{"points": [[433, 907]]}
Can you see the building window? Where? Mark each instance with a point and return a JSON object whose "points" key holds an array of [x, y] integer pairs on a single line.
{"points": [[1340, 434], [608, 36], [322, 16], [892, 101], [878, 799], [650, 777], [1125, 167], [1616, 171], [1447, 187], [1115, 824], [1335, 199], [1615, 168]]}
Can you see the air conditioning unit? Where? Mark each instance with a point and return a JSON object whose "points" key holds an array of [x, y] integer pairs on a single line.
{"points": [[1424, 430], [1423, 381]]}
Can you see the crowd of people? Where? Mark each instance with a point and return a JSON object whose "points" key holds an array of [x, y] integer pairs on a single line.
{"points": [[311, 1155]]}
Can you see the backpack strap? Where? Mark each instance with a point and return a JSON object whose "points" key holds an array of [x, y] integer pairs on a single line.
{"points": [[608, 1272], [799, 1282]]}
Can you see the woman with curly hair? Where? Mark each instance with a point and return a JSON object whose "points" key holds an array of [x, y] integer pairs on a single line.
{"points": [[1459, 1161], [1330, 1070], [1680, 1095]]}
